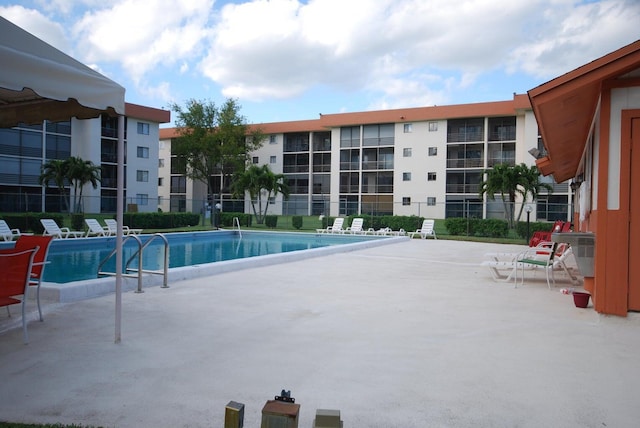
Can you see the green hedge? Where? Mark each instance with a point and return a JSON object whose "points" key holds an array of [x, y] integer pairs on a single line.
{"points": [[160, 220], [30, 222], [492, 228], [296, 221], [226, 219], [271, 221], [394, 222], [538, 226]]}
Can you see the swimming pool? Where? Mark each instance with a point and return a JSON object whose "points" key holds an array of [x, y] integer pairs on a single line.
{"points": [[74, 260]]}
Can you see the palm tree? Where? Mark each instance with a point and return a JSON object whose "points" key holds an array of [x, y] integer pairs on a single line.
{"points": [[80, 173], [531, 185], [503, 179], [55, 170], [259, 181]]}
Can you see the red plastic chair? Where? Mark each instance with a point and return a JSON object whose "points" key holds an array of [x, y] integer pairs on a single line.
{"points": [[15, 275], [39, 261]]}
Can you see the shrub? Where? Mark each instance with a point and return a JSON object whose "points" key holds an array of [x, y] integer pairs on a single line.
{"points": [[226, 219], [538, 226], [296, 221], [77, 221], [31, 221], [271, 221]]}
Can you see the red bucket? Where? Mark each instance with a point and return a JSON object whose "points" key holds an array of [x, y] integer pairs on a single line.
{"points": [[581, 300]]}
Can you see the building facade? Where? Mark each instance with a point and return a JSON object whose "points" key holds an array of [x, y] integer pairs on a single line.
{"points": [[24, 150], [425, 161]]}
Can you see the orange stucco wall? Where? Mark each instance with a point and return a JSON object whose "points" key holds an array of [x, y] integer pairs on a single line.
{"points": [[610, 285]]}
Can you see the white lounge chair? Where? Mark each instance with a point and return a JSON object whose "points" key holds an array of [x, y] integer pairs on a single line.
{"points": [[112, 225], [356, 227], [8, 234], [95, 228], [549, 258], [52, 228], [426, 230], [335, 228], [553, 260]]}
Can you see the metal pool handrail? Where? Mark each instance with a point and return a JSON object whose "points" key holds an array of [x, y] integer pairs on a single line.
{"points": [[138, 254], [236, 221]]}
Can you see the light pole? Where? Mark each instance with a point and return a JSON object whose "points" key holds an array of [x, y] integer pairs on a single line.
{"points": [[528, 208]]}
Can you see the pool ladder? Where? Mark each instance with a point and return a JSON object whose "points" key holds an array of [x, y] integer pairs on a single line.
{"points": [[130, 272], [236, 222]]}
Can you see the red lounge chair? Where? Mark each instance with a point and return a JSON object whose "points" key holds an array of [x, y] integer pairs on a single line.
{"points": [[15, 275]]}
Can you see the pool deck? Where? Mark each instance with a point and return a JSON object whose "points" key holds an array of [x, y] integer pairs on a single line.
{"points": [[412, 334]]}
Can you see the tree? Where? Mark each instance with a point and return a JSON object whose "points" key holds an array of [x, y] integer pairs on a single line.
{"points": [[75, 171], [55, 170], [80, 173], [503, 179], [213, 141], [531, 185], [259, 181], [510, 181]]}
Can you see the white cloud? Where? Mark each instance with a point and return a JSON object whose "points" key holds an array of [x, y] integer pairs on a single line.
{"points": [[580, 35], [399, 53], [142, 35], [281, 48]]}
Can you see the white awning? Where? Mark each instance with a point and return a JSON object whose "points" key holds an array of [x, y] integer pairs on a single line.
{"points": [[39, 82]]}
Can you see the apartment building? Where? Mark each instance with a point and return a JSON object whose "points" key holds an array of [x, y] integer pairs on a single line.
{"points": [[426, 161], [24, 149]]}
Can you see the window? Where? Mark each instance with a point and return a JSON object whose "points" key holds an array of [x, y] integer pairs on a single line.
{"points": [[408, 128], [160, 180], [272, 139], [160, 163], [272, 159], [378, 135], [142, 176], [433, 126], [178, 184], [255, 159], [142, 199], [406, 201], [431, 176], [272, 200], [433, 151], [143, 128], [406, 152], [431, 201], [143, 152], [406, 176]]}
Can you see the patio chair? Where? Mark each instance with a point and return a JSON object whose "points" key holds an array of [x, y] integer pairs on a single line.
{"points": [[27, 242], [15, 274], [427, 229], [335, 228], [551, 260], [356, 227], [8, 234], [51, 228], [95, 228], [112, 226]]}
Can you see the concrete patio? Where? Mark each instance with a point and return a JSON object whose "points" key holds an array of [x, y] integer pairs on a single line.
{"points": [[411, 334]]}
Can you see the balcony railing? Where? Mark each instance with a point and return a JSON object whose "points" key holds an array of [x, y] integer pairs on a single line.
{"points": [[463, 188], [385, 164], [464, 163]]}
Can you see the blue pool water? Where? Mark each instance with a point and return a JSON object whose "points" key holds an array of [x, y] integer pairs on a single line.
{"points": [[79, 259]]}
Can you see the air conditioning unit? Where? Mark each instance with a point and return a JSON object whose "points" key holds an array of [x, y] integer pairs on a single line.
{"points": [[326, 418], [234, 415], [280, 414]]}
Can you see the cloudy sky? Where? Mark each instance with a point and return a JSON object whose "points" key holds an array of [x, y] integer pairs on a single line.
{"points": [[293, 59]]}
